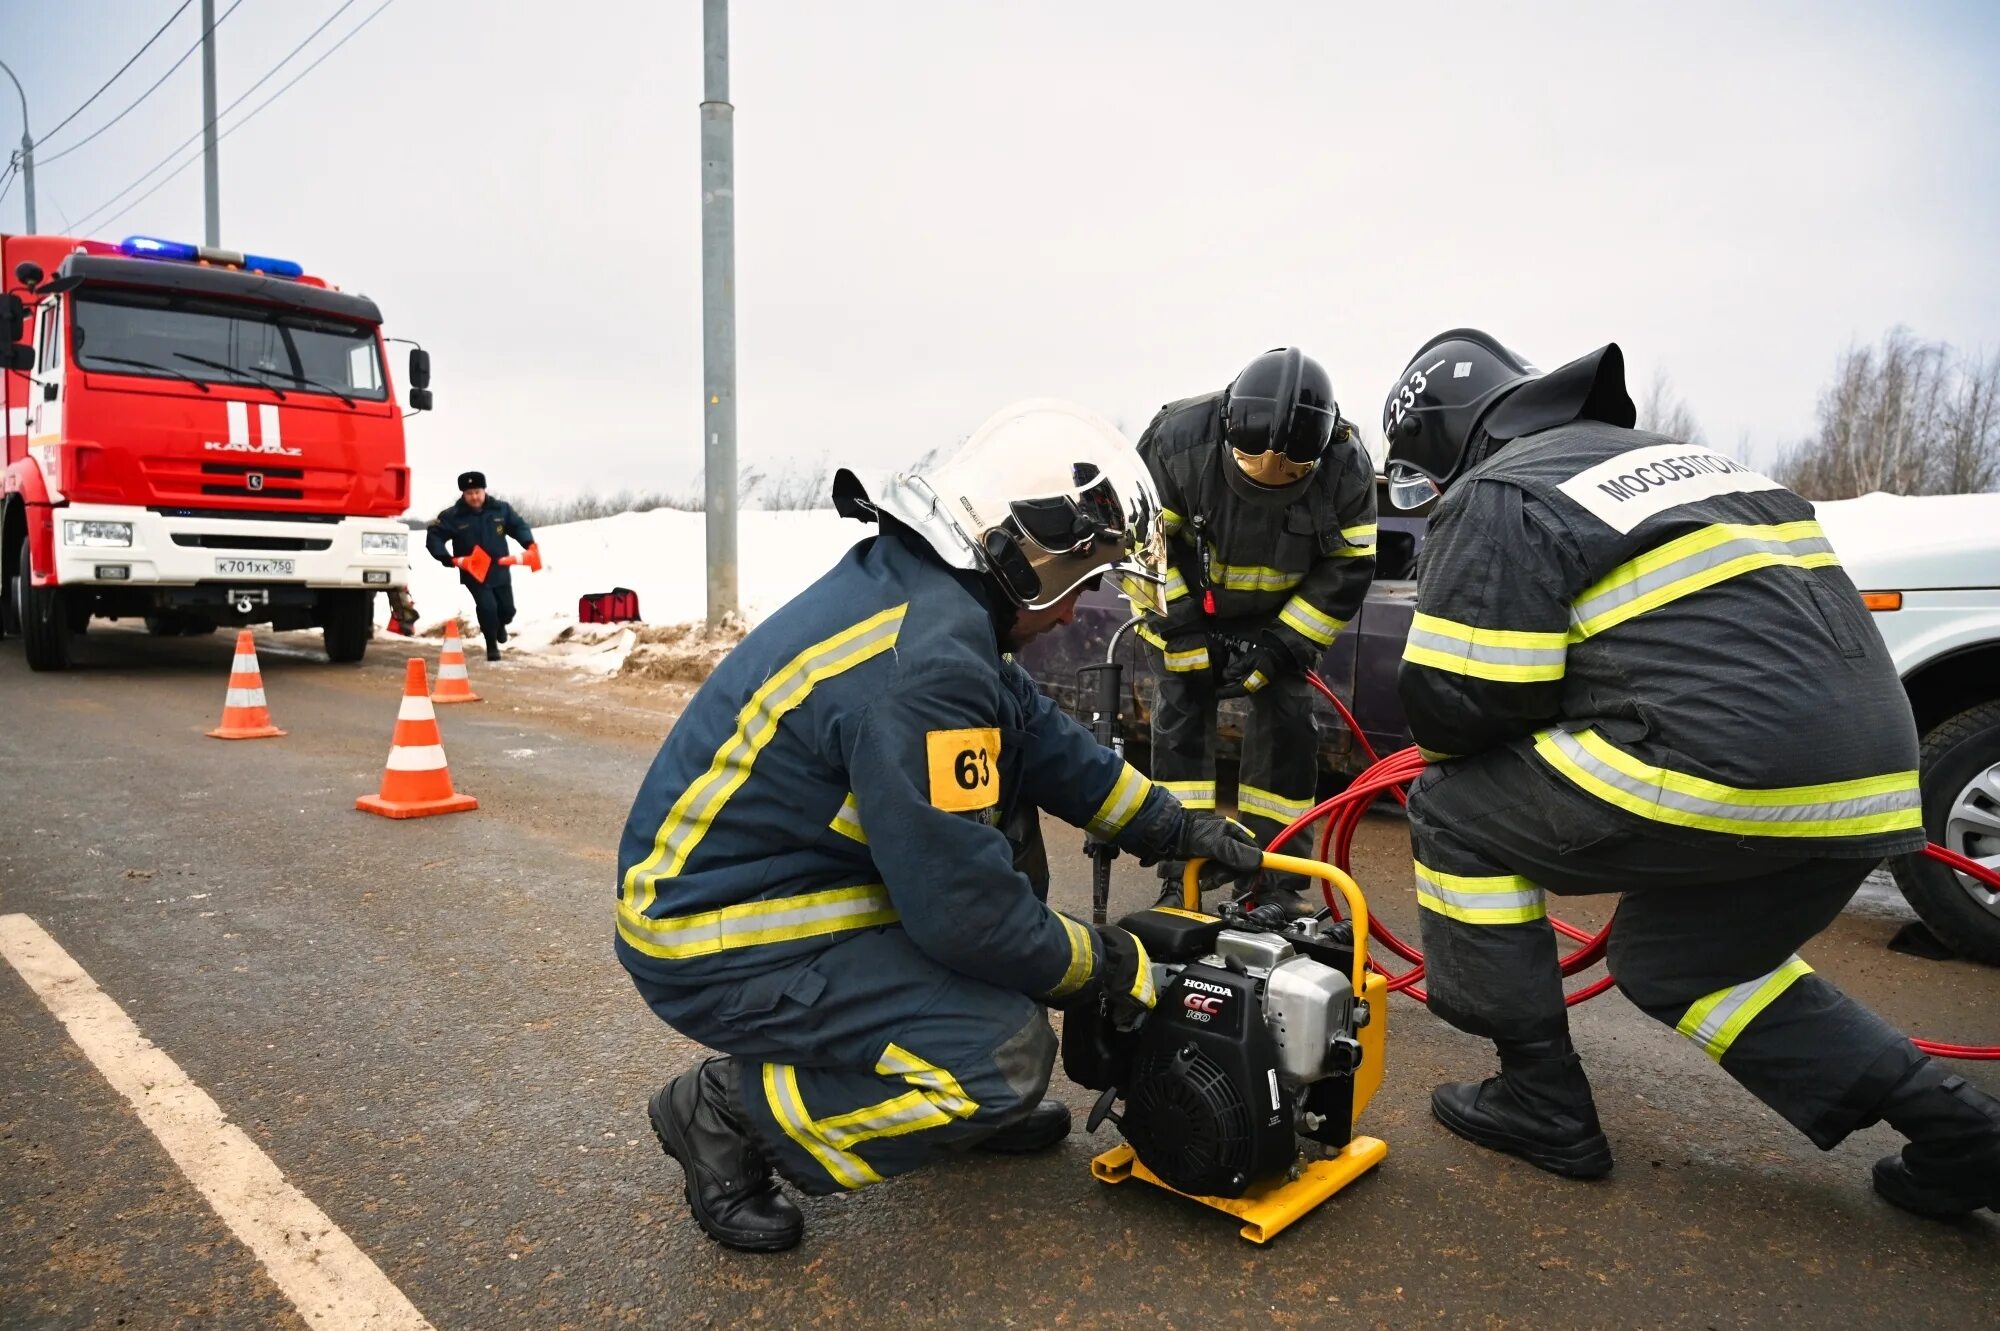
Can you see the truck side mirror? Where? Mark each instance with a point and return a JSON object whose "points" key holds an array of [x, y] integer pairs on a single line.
{"points": [[28, 274], [20, 356], [420, 368], [420, 399]]}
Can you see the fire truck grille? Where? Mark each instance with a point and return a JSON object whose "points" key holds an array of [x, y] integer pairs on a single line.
{"points": [[188, 481], [252, 542]]}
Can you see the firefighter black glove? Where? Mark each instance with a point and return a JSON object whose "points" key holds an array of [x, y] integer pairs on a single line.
{"points": [[1120, 988], [1229, 847], [1268, 661]]}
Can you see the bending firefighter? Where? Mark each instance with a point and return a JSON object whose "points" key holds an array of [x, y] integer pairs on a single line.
{"points": [[471, 536], [833, 872], [1637, 667], [1270, 517]]}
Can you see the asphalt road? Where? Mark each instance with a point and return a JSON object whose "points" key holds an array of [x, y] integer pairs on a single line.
{"points": [[423, 1025]]}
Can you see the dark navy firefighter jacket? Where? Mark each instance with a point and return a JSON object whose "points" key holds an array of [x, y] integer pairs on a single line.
{"points": [[457, 530], [850, 766]]}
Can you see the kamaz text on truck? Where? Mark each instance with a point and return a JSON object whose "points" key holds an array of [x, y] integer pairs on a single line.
{"points": [[197, 438]]}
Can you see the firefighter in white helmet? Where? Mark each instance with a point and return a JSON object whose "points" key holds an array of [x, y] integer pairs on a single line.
{"points": [[823, 873]]}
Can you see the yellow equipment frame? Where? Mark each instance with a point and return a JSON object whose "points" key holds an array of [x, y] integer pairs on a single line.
{"points": [[1269, 1208]]}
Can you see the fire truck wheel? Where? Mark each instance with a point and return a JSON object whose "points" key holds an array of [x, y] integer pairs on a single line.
{"points": [[347, 621], [44, 620]]}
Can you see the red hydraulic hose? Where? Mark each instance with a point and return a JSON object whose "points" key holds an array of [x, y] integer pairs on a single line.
{"points": [[1390, 775]]}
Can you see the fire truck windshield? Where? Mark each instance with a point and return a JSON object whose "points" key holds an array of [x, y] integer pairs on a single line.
{"points": [[225, 341]]}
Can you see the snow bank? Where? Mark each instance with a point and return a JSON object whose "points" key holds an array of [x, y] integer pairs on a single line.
{"points": [[661, 555]]}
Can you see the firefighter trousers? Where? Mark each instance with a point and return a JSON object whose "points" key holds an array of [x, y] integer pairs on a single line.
{"points": [[868, 1059], [493, 603], [1280, 760], [1704, 940]]}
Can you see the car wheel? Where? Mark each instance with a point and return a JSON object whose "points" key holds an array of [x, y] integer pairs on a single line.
{"points": [[44, 620], [1961, 793]]}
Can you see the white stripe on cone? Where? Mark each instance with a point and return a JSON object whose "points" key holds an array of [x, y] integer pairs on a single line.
{"points": [[246, 663], [244, 698], [416, 707], [453, 670], [416, 757]]}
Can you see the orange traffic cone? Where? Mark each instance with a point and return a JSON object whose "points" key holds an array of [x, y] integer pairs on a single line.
{"points": [[244, 715], [416, 783], [453, 684]]}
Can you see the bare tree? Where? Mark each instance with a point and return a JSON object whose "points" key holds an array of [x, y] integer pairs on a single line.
{"points": [[1666, 412], [1907, 417]]}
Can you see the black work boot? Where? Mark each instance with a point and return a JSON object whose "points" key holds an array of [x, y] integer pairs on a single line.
{"points": [[1538, 1108], [1952, 1165], [1171, 873], [1040, 1128], [1295, 893], [735, 1200], [492, 648]]}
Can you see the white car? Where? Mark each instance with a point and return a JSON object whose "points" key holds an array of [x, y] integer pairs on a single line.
{"points": [[1929, 569]]}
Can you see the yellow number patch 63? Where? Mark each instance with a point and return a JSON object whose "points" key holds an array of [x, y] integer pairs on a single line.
{"points": [[965, 769]]}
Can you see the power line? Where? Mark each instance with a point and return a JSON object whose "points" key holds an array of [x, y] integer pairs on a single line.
{"points": [[57, 157], [241, 123], [241, 98], [121, 70]]}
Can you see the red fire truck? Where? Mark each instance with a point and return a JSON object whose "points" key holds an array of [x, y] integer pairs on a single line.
{"points": [[196, 438]]}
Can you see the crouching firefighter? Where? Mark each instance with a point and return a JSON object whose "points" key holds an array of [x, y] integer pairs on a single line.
{"points": [[1638, 667], [1270, 518], [833, 872]]}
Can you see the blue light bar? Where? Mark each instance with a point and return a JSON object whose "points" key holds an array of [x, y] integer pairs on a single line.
{"points": [[257, 263], [146, 247]]}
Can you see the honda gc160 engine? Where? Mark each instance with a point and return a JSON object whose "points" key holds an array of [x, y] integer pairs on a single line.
{"points": [[1259, 1043]]}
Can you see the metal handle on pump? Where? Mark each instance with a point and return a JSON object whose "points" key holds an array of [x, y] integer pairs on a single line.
{"points": [[1350, 891], [1108, 679]]}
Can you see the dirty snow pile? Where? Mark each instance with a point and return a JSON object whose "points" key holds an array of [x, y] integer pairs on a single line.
{"points": [[661, 555]]}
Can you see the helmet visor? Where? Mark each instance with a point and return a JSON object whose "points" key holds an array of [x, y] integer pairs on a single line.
{"points": [[1410, 488], [1256, 426]]}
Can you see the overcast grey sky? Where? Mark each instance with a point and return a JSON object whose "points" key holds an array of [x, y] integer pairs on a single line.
{"points": [[945, 206]]}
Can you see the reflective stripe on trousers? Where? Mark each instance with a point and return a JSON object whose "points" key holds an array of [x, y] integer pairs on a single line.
{"points": [[1715, 1021], [1479, 898]]}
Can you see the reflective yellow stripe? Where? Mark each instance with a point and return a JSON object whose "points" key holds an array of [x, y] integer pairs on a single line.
{"points": [[1254, 681], [1715, 1021], [1122, 804], [755, 923], [1143, 991], [1310, 622], [1181, 663], [1171, 521], [1254, 578], [1479, 899], [1509, 656], [1269, 804], [938, 1086], [1361, 534], [1191, 794], [1435, 755], [912, 1111], [1887, 803], [1082, 957], [781, 1092], [1176, 585], [847, 821], [1700, 559], [693, 813]]}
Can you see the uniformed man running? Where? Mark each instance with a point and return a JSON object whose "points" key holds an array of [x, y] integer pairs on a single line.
{"points": [[1270, 515], [479, 521], [822, 875], [1638, 667]]}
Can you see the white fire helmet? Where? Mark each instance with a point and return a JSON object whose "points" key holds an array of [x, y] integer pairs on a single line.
{"points": [[1043, 497]]}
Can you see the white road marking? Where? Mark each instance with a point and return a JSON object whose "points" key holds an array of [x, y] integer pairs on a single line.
{"points": [[331, 1281]]}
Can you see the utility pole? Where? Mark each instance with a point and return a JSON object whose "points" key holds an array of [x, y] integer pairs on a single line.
{"points": [[27, 155], [210, 169], [718, 309]]}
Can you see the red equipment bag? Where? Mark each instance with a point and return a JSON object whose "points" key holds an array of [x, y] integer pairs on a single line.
{"points": [[616, 606]]}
